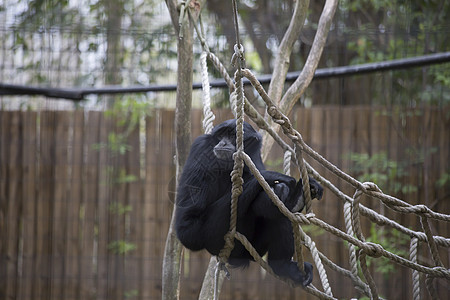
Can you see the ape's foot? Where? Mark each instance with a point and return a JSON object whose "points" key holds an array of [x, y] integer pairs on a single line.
{"points": [[290, 270]]}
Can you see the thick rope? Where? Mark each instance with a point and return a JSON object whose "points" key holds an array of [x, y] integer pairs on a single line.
{"points": [[376, 250], [430, 287], [305, 179], [352, 206], [287, 163], [351, 248], [356, 225], [415, 275], [184, 6], [370, 248], [248, 246], [431, 243], [208, 115], [318, 261], [368, 276], [298, 241], [359, 284], [236, 174]]}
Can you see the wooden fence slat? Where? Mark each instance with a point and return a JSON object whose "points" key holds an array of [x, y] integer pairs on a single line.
{"points": [[59, 202], [152, 149], [43, 230], [105, 260], [73, 244], [29, 219], [88, 275], [4, 199], [133, 220], [14, 205]]}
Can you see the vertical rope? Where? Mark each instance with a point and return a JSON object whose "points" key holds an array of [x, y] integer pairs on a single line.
{"points": [[236, 174], [430, 287], [351, 212], [431, 242], [305, 179], [355, 215], [369, 279], [357, 229], [233, 101], [287, 162], [236, 22], [298, 245], [208, 115], [351, 249], [320, 268], [415, 274]]}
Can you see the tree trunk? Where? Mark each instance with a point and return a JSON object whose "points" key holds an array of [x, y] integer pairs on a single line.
{"points": [[114, 12], [172, 252]]}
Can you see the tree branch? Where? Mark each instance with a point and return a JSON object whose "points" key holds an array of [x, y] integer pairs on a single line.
{"points": [[172, 252], [282, 61], [297, 89]]}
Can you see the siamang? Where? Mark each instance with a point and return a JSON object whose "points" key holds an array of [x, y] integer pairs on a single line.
{"points": [[203, 203]]}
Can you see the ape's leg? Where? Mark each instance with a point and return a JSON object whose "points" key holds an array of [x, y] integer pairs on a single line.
{"points": [[281, 250], [263, 206], [216, 218], [253, 197], [286, 190], [189, 227], [216, 223]]}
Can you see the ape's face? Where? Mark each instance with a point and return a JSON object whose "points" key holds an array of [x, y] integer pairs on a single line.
{"points": [[224, 149], [225, 135]]}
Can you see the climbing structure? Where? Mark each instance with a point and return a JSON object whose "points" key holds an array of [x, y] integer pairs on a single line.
{"points": [[358, 247]]}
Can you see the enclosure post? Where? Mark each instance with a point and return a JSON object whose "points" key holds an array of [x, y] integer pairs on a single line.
{"points": [[184, 29]]}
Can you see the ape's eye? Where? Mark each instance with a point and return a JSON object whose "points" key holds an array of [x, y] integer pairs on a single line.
{"points": [[276, 182]]}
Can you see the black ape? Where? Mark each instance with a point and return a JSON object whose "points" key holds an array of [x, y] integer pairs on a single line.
{"points": [[203, 203]]}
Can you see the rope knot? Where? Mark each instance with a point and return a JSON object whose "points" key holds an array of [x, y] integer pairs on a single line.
{"points": [[441, 272], [238, 155], [370, 186], [294, 137], [238, 54], [272, 110], [420, 208], [310, 215], [304, 218], [373, 249]]}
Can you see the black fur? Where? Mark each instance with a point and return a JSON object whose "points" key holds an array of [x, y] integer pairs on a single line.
{"points": [[203, 203]]}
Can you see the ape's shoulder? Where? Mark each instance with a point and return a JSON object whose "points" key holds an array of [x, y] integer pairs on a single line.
{"points": [[203, 143]]}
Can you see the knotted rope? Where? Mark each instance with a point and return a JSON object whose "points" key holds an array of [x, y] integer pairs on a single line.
{"points": [[352, 205], [208, 115]]}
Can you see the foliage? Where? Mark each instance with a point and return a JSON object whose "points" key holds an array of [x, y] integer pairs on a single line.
{"points": [[385, 173], [119, 208], [393, 241], [396, 29], [131, 294], [444, 180], [121, 247], [89, 43], [127, 116], [98, 38]]}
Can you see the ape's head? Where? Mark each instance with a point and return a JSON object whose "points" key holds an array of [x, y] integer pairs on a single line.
{"points": [[225, 136]]}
